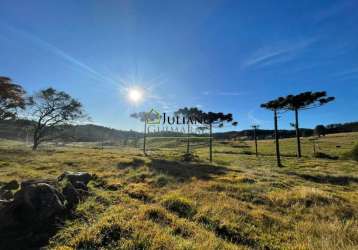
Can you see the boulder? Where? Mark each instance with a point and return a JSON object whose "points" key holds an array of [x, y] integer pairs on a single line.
{"points": [[43, 199], [80, 185], [74, 177], [33, 215], [33, 204], [30, 182], [71, 195]]}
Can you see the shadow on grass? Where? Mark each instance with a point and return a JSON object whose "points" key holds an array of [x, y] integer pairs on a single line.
{"points": [[10, 152], [134, 163], [240, 146], [282, 155], [184, 171], [330, 179]]}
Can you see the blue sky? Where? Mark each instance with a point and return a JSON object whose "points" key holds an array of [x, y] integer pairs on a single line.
{"points": [[228, 56]]}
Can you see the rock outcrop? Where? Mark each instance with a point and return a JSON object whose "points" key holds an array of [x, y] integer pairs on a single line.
{"points": [[74, 177], [34, 211], [6, 190]]}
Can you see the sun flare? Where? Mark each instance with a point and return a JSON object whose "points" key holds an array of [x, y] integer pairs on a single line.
{"points": [[135, 95]]}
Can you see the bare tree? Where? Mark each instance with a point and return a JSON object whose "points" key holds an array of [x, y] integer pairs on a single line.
{"points": [[12, 98], [275, 106], [303, 101], [51, 109]]}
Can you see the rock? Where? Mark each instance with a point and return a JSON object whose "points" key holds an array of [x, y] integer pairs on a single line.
{"points": [[74, 177], [50, 182], [6, 195], [38, 208], [33, 204], [4, 203], [12, 185], [45, 200], [71, 195], [80, 185]]}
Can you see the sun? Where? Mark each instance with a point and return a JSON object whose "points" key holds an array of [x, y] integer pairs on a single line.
{"points": [[135, 95]]}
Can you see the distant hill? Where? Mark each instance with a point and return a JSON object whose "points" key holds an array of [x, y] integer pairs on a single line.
{"points": [[21, 130]]}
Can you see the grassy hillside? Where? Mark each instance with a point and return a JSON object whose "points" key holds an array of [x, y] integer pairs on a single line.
{"points": [[239, 202]]}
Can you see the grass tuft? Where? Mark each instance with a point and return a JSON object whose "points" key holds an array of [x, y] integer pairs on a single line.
{"points": [[179, 205], [302, 196]]}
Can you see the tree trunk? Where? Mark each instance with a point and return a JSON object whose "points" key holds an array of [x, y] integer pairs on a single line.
{"points": [[188, 140], [211, 144], [297, 135], [36, 141], [277, 140], [144, 136]]}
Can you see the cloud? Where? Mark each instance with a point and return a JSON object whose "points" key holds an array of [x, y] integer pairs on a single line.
{"points": [[277, 53]]}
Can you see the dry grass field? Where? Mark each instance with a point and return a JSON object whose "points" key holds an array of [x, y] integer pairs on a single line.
{"points": [[240, 201]]}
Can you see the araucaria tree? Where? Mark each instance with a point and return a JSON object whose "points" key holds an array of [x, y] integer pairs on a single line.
{"points": [[216, 120], [12, 98], [303, 101], [51, 109], [190, 114], [144, 117], [275, 106]]}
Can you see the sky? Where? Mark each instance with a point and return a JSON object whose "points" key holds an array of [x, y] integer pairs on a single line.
{"points": [[223, 56]]}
